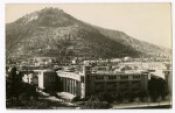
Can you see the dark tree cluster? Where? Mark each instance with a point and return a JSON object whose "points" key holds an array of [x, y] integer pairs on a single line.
{"points": [[17, 91], [157, 88]]}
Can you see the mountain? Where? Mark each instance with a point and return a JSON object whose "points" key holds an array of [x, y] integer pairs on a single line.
{"points": [[52, 32]]}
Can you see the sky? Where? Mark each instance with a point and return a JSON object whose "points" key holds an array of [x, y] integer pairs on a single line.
{"points": [[150, 22]]}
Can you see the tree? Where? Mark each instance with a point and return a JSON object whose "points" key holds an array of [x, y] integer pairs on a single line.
{"points": [[14, 82], [157, 88]]}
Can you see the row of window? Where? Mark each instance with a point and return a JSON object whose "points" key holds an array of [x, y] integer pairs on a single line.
{"points": [[119, 83], [124, 77], [114, 88]]}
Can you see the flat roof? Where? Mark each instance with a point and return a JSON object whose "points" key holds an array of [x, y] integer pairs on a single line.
{"points": [[72, 75], [77, 74]]}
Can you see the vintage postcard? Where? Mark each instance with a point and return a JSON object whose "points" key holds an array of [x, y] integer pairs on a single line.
{"points": [[88, 56]]}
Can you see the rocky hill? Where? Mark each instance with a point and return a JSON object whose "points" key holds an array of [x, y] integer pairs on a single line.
{"points": [[52, 32]]}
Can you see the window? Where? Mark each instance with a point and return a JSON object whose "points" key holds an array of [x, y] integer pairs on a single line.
{"points": [[112, 77], [111, 85], [111, 90], [135, 89], [124, 77], [136, 76], [99, 83], [123, 83], [123, 89], [99, 77], [82, 79], [136, 83]]}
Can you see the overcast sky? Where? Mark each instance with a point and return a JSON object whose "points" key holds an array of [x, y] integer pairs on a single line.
{"points": [[150, 22]]}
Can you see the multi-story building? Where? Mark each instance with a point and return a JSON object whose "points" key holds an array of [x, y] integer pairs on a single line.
{"points": [[89, 83]]}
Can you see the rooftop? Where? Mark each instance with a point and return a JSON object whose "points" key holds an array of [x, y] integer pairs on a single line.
{"points": [[118, 73]]}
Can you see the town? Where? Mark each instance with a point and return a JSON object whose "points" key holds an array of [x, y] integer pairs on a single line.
{"points": [[82, 82]]}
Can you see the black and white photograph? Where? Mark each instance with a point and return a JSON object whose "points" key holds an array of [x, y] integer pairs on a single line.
{"points": [[88, 56]]}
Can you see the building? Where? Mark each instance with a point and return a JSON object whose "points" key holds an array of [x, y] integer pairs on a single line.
{"points": [[120, 83], [47, 79], [43, 79], [88, 83]]}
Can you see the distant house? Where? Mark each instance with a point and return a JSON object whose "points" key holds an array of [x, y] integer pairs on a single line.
{"points": [[75, 60], [115, 60], [127, 59]]}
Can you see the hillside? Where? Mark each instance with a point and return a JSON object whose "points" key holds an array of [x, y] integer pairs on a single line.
{"points": [[52, 32]]}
